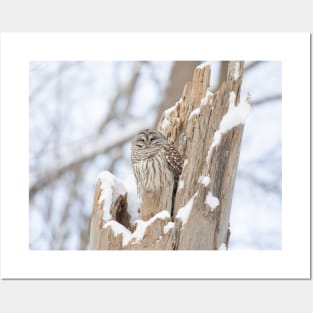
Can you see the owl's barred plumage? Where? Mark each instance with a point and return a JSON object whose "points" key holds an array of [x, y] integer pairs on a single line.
{"points": [[156, 163]]}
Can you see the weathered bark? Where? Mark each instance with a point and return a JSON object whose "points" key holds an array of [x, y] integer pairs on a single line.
{"points": [[99, 237], [180, 74], [203, 200], [152, 203]]}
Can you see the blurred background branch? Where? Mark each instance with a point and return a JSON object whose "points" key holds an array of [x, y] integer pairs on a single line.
{"points": [[267, 99]]}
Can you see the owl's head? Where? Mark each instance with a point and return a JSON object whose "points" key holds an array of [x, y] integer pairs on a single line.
{"points": [[149, 138]]}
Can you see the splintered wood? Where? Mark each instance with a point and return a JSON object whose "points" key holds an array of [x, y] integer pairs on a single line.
{"points": [[198, 125]]}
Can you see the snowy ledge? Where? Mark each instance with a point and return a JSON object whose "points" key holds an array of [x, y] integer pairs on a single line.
{"points": [[211, 201], [204, 180], [140, 230], [132, 230], [112, 188], [184, 212], [194, 113], [203, 65], [207, 99], [235, 116], [166, 121]]}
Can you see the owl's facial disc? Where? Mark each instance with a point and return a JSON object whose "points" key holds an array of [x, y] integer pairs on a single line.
{"points": [[155, 138], [149, 138], [141, 142]]}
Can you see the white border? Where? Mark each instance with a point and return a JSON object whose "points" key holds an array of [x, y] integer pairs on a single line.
{"points": [[293, 261]]}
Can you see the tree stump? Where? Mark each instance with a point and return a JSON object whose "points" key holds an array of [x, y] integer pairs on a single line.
{"points": [[206, 128]]}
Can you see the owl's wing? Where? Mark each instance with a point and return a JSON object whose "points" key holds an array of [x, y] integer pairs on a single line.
{"points": [[173, 159]]}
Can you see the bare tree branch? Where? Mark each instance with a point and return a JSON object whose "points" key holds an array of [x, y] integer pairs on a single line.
{"points": [[59, 237], [251, 65], [266, 99], [45, 82], [127, 91], [87, 151], [265, 185]]}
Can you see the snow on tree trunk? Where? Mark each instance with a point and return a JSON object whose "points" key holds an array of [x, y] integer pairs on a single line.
{"points": [[207, 129]]}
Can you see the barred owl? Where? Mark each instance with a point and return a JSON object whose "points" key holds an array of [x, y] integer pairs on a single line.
{"points": [[156, 163]]}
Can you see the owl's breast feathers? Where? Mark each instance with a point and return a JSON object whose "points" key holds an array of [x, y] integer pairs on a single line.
{"points": [[144, 154], [153, 174]]}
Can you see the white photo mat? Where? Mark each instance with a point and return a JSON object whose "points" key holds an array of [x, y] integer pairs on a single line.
{"points": [[291, 262]]}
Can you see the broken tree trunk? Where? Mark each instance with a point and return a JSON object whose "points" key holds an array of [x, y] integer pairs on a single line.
{"points": [[207, 129]]}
